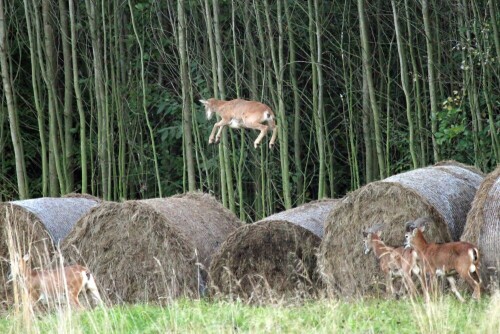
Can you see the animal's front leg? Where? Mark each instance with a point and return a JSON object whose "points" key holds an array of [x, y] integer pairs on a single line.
{"points": [[221, 126], [212, 134]]}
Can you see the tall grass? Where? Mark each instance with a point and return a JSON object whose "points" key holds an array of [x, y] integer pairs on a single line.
{"points": [[442, 314]]}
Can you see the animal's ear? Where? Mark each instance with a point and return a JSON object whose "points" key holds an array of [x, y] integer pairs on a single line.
{"points": [[422, 227], [365, 234], [378, 233], [205, 102], [26, 257]]}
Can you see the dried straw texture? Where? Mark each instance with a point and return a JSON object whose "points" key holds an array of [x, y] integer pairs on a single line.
{"points": [[443, 193], [265, 261], [310, 216], [483, 227], [36, 225], [82, 195], [149, 250]]}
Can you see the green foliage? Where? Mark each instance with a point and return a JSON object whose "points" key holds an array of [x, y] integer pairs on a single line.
{"points": [[360, 316]]}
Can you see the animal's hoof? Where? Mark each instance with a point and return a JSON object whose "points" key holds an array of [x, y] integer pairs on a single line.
{"points": [[211, 141]]}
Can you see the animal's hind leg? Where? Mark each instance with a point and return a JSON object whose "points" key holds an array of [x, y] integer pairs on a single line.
{"points": [[454, 288], [263, 131], [474, 284]]}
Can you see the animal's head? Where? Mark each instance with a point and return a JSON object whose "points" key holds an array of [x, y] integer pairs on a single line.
{"points": [[370, 234], [413, 228], [209, 109]]}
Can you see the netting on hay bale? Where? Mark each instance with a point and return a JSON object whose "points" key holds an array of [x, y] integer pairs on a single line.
{"points": [[311, 216], [36, 225], [273, 258], [483, 227], [443, 192], [150, 250]]}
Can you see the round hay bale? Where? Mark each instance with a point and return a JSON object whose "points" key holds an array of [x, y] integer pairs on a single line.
{"points": [[267, 260], [443, 193], [82, 195], [36, 225], [150, 250], [310, 216], [483, 227]]}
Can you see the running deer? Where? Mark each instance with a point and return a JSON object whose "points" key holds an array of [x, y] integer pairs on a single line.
{"points": [[394, 262], [445, 259], [241, 114], [42, 285]]}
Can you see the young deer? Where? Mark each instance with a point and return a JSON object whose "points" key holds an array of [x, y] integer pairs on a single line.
{"points": [[394, 262], [43, 285], [446, 259], [241, 114]]}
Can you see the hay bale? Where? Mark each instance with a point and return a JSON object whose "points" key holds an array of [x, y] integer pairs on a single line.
{"points": [[442, 192], [37, 225], [483, 227], [149, 250], [267, 260], [310, 216], [82, 195]]}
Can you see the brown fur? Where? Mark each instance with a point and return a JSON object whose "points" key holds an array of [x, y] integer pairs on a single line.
{"points": [[393, 262], [42, 284], [447, 259], [241, 113]]}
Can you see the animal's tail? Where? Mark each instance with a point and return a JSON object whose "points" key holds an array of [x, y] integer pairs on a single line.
{"points": [[91, 286]]}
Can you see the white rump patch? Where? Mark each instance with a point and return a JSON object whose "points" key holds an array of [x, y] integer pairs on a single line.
{"points": [[266, 116], [472, 268]]}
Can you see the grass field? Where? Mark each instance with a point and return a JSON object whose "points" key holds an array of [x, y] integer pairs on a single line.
{"points": [[445, 315]]}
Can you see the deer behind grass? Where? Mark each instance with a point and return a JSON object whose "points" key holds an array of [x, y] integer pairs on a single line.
{"points": [[446, 259], [42, 285], [241, 114], [394, 262]]}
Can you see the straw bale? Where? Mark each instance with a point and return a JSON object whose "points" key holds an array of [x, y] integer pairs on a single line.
{"points": [[483, 227], [36, 225], [82, 195], [310, 216], [150, 250], [443, 192], [267, 260]]}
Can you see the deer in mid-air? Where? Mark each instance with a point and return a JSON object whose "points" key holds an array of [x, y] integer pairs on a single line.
{"points": [[445, 260], [240, 113], [42, 285], [394, 262]]}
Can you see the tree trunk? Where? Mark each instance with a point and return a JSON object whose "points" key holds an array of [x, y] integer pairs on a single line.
{"points": [[365, 54], [15, 131]]}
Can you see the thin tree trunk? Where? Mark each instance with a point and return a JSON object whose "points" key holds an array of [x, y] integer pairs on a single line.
{"points": [[144, 104], [68, 97], [431, 76], [371, 88], [186, 102], [297, 124], [416, 80], [35, 79], [15, 131], [50, 77], [405, 83], [278, 64]]}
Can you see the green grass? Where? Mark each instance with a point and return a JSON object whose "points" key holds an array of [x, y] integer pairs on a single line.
{"points": [[362, 316]]}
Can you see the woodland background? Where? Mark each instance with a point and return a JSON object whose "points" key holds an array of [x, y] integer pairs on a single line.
{"points": [[101, 96]]}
